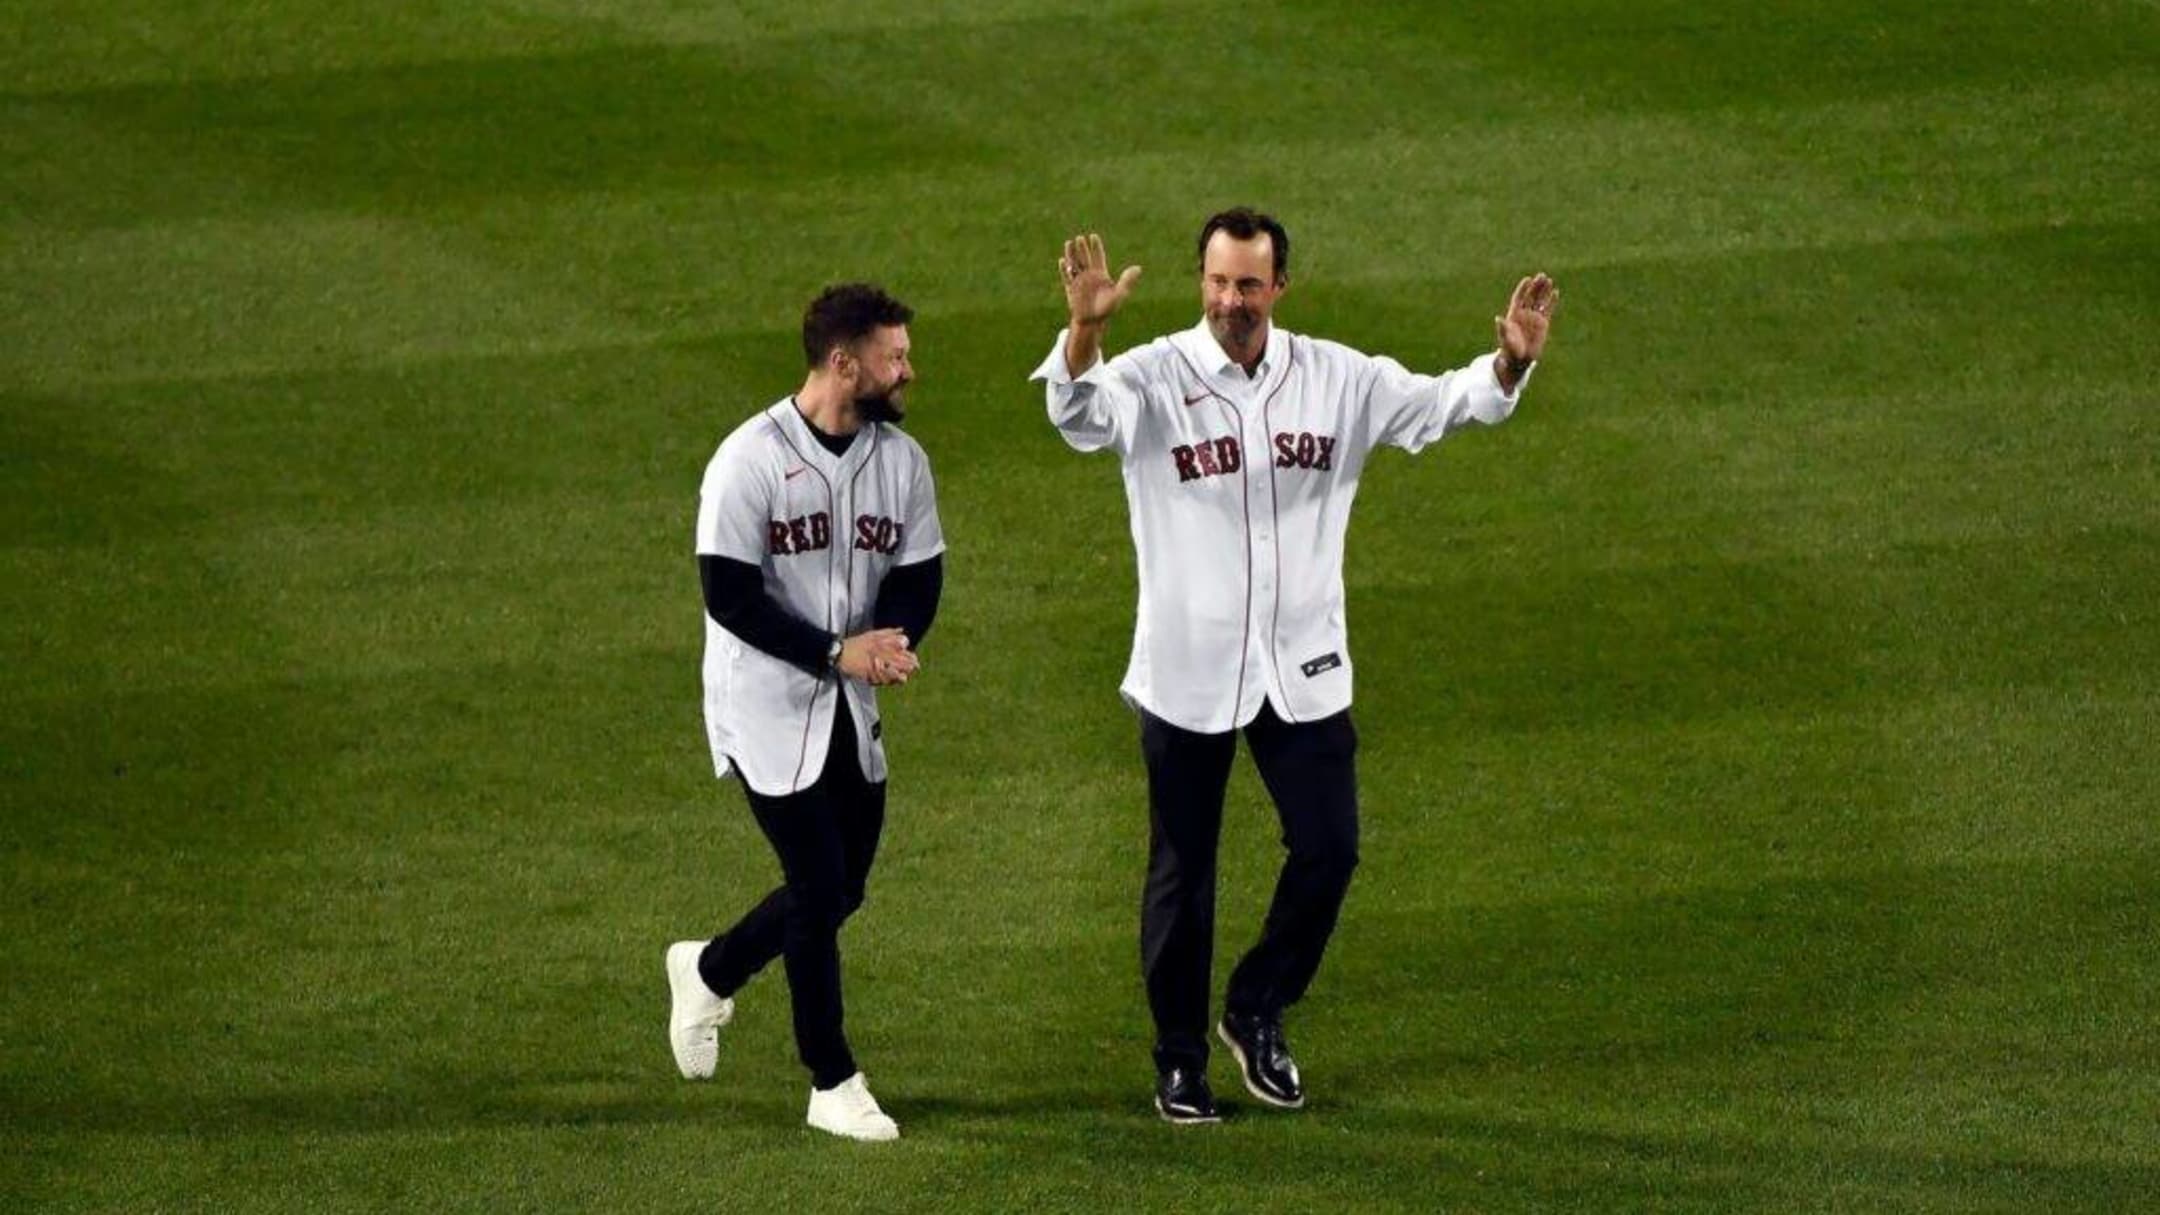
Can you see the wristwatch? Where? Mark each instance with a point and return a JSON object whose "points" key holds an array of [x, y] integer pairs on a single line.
{"points": [[832, 653]]}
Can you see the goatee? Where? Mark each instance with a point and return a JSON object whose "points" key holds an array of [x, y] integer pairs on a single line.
{"points": [[1232, 328]]}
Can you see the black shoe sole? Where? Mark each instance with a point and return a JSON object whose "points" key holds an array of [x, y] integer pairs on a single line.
{"points": [[1245, 1073], [1185, 1119]]}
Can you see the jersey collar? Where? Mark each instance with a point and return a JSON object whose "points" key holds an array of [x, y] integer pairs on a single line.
{"points": [[1200, 348], [796, 429]]}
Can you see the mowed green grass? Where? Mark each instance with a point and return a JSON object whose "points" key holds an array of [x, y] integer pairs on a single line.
{"points": [[1760, 729]]}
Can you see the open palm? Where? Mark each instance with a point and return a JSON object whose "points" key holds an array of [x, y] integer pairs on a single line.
{"points": [[1529, 318], [1091, 295]]}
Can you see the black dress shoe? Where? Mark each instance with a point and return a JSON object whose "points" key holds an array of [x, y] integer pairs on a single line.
{"points": [[1263, 1058], [1182, 1096]]}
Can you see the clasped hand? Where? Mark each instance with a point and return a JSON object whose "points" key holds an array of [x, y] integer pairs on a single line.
{"points": [[879, 657]]}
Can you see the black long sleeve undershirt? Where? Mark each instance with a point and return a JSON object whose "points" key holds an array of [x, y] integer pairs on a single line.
{"points": [[908, 599], [735, 596]]}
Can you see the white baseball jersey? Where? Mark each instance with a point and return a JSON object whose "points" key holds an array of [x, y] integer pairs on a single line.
{"points": [[1239, 490], [825, 529]]}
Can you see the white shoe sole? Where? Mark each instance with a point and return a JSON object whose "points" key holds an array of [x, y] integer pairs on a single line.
{"points": [[1246, 1075], [687, 997], [879, 1135], [1184, 1121]]}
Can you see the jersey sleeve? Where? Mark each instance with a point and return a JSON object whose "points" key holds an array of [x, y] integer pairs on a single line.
{"points": [[734, 506], [1408, 410], [1098, 407], [925, 536]]}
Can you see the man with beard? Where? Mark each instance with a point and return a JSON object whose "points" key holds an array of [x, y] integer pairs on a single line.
{"points": [[819, 548], [1241, 447]]}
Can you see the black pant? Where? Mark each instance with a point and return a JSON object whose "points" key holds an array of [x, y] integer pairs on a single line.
{"points": [[826, 836], [1310, 770]]}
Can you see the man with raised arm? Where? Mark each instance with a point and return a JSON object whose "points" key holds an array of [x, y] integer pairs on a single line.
{"points": [[1241, 446]]}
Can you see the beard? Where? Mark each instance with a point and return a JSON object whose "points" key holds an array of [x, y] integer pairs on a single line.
{"points": [[882, 407], [1234, 328]]}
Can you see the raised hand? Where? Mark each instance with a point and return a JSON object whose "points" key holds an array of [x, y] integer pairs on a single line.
{"points": [[1091, 295], [1529, 318]]}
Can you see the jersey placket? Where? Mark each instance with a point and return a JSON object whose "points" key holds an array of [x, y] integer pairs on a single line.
{"points": [[1264, 541], [840, 586], [859, 464], [843, 471]]}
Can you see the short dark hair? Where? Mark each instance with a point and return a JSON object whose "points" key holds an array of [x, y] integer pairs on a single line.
{"points": [[845, 313], [1244, 223]]}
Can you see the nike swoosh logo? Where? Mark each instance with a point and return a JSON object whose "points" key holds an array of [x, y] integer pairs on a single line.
{"points": [[1196, 400], [797, 471]]}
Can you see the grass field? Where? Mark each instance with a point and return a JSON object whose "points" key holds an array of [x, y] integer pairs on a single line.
{"points": [[1761, 730]]}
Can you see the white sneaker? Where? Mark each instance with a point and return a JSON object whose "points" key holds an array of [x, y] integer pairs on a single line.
{"points": [[848, 1109], [695, 1018]]}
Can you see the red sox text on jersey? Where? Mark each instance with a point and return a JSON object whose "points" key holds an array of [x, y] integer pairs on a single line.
{"points": [[813, 533], [1220, 457]]}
